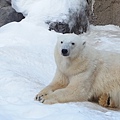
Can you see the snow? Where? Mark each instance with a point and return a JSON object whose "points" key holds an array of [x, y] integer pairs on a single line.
{"points": [[27, 65], [53, 10]]}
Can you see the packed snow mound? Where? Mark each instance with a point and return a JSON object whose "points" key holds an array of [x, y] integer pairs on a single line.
{"points": [[63, 16], [27, 65], [53, 9]]}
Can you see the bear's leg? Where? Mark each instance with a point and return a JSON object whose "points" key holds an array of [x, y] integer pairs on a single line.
{"points": [[106, 101], [67, 90], [71, 93], [60, 96], [59, 81]]}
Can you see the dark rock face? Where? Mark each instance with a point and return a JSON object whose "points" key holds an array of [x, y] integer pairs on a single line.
{"points": [[76, 23], [7, 13], [106, 12], [8, 1], [59, 27]]}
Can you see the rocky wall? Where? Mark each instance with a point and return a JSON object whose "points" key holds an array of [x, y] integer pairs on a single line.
{"points": [[105, 12]]}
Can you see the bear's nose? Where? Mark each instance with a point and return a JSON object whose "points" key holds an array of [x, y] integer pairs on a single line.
{"points": [[64, 52]]}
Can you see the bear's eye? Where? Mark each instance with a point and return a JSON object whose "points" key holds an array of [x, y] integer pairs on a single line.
{"points": [[61, 42], [73, 43]]}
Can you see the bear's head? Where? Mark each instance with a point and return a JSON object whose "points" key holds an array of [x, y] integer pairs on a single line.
{"points": [[70, 45]]}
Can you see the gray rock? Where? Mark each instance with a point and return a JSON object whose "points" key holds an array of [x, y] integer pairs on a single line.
{"points": [[8, 1], [7, 13], [106, 12], [60, 27]]}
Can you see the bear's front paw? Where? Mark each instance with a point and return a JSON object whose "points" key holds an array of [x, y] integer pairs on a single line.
{"points": [[44, 92], [46, 99], [39, 97]]}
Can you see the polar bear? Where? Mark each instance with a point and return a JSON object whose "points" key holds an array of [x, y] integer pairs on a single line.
{"points": [[83, 73]]}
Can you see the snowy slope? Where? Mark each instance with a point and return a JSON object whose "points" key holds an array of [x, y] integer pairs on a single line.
{"points": [[27, 65]]}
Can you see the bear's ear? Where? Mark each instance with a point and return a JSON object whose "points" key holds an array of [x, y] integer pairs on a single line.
{"points": [[84, 42]]}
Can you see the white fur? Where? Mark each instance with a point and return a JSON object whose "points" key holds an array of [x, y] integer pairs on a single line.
{"points": [[83, 74]]}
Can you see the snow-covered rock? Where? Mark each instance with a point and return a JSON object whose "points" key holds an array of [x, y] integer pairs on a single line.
{"points": [[64, 16]]}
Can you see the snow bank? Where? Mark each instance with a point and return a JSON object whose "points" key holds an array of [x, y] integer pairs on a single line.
{"points": [[47, 11], [52, 8], [27, 65]]}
